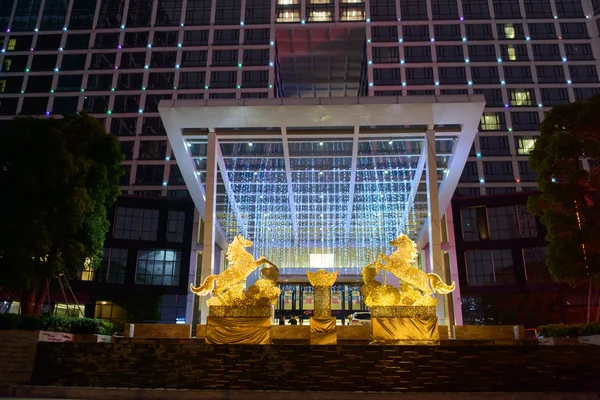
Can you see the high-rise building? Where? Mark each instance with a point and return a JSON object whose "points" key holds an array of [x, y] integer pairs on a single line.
{"points": [[117, 59]]}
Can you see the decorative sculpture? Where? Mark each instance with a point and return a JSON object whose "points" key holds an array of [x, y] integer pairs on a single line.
{"points": [[322, 325], [405, 314], [236, 315], [322, 281], [226, 288]]}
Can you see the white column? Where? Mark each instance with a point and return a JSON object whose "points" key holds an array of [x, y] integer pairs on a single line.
{"points": [[208, 256], [189, 309], [436, 261], [456, 301]]}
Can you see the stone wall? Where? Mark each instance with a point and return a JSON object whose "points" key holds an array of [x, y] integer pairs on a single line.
{"points": [[195, 365], [158, 330], [17, 355]]}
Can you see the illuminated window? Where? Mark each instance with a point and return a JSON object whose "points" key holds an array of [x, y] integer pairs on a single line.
{"points": [[353, 15], [520, 97], [321, 1], [351, 1], [509, 31], [158, 267], [88, 272], [2, 85], [525, 144], [319, 16], [287, 2], [512, 54], [7, 64], [288, 16], [11, 44], [490, 122]]}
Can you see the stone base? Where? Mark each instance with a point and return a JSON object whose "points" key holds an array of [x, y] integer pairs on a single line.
{"points": [[240, 330], [323, 331], [405, 331]]}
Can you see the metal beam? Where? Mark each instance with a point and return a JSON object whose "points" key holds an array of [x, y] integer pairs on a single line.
{"points": [[414, 189], [288, 178], [352, 177], [228, 190]]}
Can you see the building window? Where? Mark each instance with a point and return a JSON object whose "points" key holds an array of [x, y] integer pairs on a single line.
{"points": [[582, 74], [158, 267], [585, 93], [504, 271], [113, 266], [452, 75], [384, 33], [494, 145], [444, 9], [525, 121], [470, 226], [449, 53], [88, 272], [514, 52], [517, 74], [521, 97], [413, 10], [485, 75], [554, 96], [493, 97], [480, 268], [385, 55], [482, 53], [415, 33], [498, 171], [352, 14], [503, 222], [550, 74], [525, 144], [469, 173], [135, 223], [285, 15], [526, 172], [480, 32], [476, 9], [536, 269], [419, 76], [505, 9], [175, 226], [491, 121], [386, 77], [527, 222], [578, 51], [538, 9], [417, 54]]}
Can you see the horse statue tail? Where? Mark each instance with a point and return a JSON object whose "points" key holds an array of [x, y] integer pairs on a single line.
{"points": [[438, 286], [206, 287]]}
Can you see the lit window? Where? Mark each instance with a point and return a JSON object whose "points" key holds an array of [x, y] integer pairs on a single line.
{"points": [[7, 64], [2, 85], [287, 2], [320, 16], [525, 144], [353, 15], [490, 122], [158, 267], [88, 272], [11, 44], [512, 54], [351, 1], [520, 97], [288, 16], [321, 1], [509, 31]]}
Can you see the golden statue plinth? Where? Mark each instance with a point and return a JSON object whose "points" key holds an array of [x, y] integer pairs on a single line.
{"points": [[322, 325], [403, 315], [238, 315]]}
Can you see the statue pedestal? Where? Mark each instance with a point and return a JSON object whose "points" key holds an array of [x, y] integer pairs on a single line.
{"points": [[322, 331], [238, 325], [404, 325]]}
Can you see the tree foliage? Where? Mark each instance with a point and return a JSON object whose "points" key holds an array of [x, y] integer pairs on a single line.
{"points": [[569, 206], [57, 177]]}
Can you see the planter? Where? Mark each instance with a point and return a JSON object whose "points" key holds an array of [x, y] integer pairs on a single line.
{"points": [[558, 341], [589, 340], [92, 338]]}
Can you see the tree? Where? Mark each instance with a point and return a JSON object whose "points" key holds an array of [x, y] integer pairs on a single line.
{"points": [[568, 205], [57, 179]]}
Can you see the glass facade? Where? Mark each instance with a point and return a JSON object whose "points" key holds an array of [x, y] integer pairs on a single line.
{"points": [[118, 58]]}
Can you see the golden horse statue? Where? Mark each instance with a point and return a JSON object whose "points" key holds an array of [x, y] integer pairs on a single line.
{"points": [[242, 264], [399, 264]]}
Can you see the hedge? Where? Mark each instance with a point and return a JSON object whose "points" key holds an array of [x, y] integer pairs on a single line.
{"points": [[573, 330], [55, 324]]}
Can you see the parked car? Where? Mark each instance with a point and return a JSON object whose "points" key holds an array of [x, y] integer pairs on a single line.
{"points": [[361, 318]]}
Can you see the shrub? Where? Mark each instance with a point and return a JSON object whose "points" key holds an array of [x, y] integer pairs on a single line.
{"points": [[572, 330], [55, 324], [90, 326], [8, 321]]}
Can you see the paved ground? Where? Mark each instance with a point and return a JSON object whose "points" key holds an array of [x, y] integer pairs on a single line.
{"points": [[29, 392]]}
